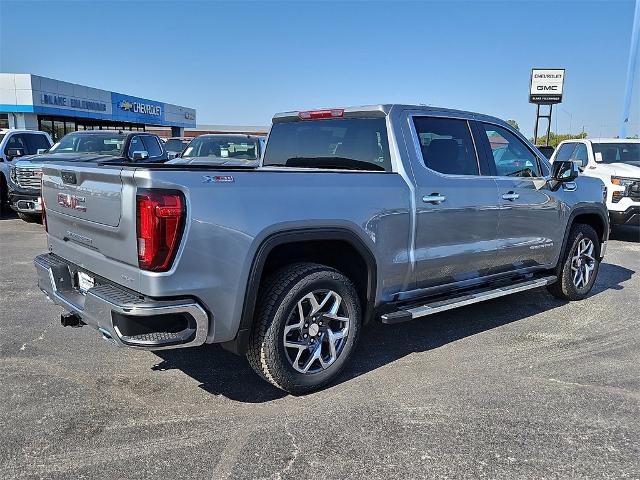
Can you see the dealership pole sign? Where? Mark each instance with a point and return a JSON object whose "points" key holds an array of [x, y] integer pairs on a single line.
{"points": [[546, 86]]}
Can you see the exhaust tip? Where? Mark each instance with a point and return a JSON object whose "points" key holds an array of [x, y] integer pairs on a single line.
{"points": [[71, 320]]}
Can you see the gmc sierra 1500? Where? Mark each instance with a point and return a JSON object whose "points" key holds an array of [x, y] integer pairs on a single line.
{"points": [[390, 212]]}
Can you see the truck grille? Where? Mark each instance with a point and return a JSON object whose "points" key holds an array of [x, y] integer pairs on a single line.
{"points": [[28, 177]]}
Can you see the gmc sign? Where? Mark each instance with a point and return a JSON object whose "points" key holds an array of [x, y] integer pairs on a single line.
{"points": [[546, 86]]}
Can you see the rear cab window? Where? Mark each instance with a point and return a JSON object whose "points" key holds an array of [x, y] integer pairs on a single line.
{"points": [[336, 143]]}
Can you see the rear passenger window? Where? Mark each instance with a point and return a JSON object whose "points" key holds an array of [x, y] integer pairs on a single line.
{"points": [[510, 154], [446, 145], [565, 151]]}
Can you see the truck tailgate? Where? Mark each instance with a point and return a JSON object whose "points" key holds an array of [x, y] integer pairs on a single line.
{"points": [[91, 212]]}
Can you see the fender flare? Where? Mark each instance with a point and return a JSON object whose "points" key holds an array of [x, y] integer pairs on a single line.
{"points": [[586, 210], [296, 236]]}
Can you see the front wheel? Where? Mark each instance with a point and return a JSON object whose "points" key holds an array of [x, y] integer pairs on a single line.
{"points": [[580, 264], [307, 321]]}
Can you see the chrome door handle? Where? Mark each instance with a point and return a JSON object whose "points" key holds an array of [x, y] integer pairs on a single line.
{"points": [[511, 196], [434, 198]]}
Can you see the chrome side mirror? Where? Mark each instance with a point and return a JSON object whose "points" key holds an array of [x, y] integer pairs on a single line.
{"points": [[139, 155]]}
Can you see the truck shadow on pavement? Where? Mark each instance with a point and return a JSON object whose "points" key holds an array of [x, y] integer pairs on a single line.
{"points": [[626, 233], [222, 373]]}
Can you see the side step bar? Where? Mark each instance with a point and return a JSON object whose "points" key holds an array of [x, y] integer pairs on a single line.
{"points": [[442, 305]]}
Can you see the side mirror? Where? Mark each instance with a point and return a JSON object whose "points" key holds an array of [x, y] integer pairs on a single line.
{"points": [[40, 151], [598, 156], [11, 153], [173, 155], [582, 164], [139, 155], [562, 172]]}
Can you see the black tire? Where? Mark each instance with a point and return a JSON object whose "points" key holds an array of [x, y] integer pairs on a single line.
{"points": [[30, 217], [564, 288], [4, 196], [277, 303]]}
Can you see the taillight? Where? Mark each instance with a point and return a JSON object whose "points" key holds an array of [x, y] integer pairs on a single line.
{"points": [[315, 114], [44, 210], [160, 221]]}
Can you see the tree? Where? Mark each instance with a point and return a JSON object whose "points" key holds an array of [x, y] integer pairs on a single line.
{"points": [[555, 138], [514, 124]]}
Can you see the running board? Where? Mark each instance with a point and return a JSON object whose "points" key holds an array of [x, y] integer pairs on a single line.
{"points": [[464, 299]]}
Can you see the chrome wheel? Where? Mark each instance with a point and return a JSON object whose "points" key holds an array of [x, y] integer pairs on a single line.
{"points": [[583, 263], [316, 331]]}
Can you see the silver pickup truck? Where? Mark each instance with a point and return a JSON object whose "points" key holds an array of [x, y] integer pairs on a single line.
{"points": [[385, 212]]}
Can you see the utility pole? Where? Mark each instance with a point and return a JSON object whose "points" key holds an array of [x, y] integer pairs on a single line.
{"points": [[631, 70]]}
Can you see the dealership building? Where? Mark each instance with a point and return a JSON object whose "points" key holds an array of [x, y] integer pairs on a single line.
{"points": [[57, 107]]}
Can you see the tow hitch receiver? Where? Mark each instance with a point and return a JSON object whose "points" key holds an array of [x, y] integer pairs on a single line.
{"points": [[71, 320]]}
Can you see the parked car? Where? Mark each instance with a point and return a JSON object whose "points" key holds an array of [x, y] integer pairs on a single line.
{"points": [[84, 146], [223, 149], [15, 143], [385, 212], [616, 162], [175, 145]]}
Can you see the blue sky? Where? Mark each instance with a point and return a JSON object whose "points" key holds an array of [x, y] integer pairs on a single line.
{"points": [[240, 62]]}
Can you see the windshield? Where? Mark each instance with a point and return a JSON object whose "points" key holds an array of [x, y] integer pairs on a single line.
{"points": [[618, 152], [101, 144], [175, 145], [222, 147]]}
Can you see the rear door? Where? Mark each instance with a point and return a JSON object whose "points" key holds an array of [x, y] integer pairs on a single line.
{"points": [[530, 227], [457, 207]]}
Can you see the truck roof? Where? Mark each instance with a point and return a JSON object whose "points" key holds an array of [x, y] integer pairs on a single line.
{"points": [[383, 109], [613, 140]]}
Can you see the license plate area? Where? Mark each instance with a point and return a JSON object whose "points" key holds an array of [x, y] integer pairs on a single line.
{"points": [[85, 282]]}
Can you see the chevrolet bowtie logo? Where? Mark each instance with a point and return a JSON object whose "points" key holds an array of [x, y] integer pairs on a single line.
{"points": [[124, 105]]}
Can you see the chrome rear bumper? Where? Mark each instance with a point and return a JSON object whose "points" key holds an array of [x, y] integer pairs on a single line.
{"points": [[110, 308]]}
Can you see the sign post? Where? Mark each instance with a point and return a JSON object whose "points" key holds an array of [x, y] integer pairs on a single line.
{"points": [[545, 89]]}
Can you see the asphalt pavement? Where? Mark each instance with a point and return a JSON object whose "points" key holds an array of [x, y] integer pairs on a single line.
{"points": [[520, 387]]}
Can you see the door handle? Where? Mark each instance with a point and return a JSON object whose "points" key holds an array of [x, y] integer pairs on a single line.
{"points": [[511, 196], [434, 198]]}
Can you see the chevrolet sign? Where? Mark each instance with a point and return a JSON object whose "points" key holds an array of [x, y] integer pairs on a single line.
{"points": [[139, 107]]}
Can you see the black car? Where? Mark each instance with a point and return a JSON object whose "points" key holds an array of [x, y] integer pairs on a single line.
{"points": [[103, 146]]}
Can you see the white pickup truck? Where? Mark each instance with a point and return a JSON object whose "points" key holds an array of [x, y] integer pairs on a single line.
{"points": [[615, 161]]}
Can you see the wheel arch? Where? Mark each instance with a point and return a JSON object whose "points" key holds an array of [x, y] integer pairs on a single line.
{"points": [[592, 216], [294, 241]]}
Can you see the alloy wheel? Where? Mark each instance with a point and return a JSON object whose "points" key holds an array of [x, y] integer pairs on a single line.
{"points": [[316, 331]]}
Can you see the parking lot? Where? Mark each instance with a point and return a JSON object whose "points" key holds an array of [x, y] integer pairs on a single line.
{"points": [[525, 386]]}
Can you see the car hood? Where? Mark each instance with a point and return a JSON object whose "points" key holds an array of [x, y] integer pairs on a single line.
{"points": [[627, 169], [38, 160]]}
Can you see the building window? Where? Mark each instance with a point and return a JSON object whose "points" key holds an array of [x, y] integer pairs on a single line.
{"points": [[4, 120]]}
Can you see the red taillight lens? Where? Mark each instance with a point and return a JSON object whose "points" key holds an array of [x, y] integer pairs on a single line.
{"points": [[315, 114], [160, 221], [44, 210]]}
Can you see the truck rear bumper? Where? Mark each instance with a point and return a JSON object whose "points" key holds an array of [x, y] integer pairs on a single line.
{"points": [[124, 317]]}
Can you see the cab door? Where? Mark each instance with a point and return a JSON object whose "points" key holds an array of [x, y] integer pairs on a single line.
{"points": [[456, 206], [530, 221]]}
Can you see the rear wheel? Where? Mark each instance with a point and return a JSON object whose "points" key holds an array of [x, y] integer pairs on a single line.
{"points": [[580, 264], [308, 320]]}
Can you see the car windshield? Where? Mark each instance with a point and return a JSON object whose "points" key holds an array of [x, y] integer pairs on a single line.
{"points": [[222, 147], [617, 152], [175, 145], [98, 143]]}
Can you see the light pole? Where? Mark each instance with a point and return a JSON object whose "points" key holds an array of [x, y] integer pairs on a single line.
{"points": [[570, 120], [631, 70]]}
